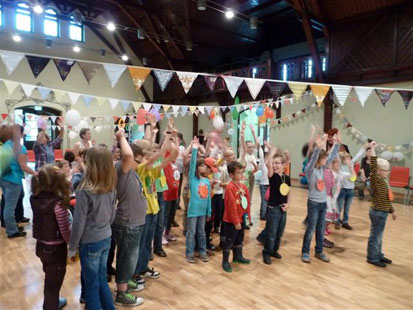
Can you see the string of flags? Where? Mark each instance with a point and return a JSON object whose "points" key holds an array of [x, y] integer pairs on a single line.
{"points": [[138, 76]]}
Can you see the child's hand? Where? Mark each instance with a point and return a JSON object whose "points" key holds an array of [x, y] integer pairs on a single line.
{"points": [[238, 227], [208, 218], [252, 128], [120, 134], [373, 144], [284, 207], [394, 216]]}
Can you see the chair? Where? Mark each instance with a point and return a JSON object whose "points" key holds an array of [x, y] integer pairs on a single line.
{"points": [[30, 156], [400, 178], [58, 155]]}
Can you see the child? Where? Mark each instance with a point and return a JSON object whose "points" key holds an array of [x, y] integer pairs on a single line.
{"points": [[264, 183], [278, 203], [381, 207], [317, 198], [237, 203], [91, 231], [51, 228], [199, 205]]}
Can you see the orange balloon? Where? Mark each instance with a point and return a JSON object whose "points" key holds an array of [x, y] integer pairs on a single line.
{"points": [[262, 119], [269, 113]]}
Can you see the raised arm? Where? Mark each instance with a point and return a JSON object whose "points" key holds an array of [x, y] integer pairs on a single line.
{"points": [[128, 160], [373, 167], [335, 149], [192, 165], [256, 141], [269, 160]]}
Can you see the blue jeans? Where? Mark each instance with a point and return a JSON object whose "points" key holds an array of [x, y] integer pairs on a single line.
{"points": [[378, 222], [127, 241], [11, 192], [316, 220], [145, 249], [274, 228], [264, 203], [344, 200], [170, 210], [93, 258], [196, 226], [157, 241]]}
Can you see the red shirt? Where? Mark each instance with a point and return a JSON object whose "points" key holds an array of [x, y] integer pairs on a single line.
{"points": [[172, 180], [233, 211]]}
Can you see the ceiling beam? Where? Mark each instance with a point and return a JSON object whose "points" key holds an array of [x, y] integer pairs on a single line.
{"points": [[260, 7]]}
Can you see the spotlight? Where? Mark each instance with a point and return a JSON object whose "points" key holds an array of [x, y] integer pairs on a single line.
{"points": [[76, 49], [229, 14], [141, 34], [111, 26], [17, 38], [102, 52], [253, 22], [125, 57], [202, 5], [189, 46], [38, 9], [48, 43]]}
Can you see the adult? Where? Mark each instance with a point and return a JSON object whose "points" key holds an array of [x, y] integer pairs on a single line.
{"points": [[44, 148], [12, 183], [85, 142], [364, 177]]}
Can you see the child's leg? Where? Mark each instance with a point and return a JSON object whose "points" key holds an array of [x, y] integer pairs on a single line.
{"points": [[347, 203], [263, 206], [230, 235], [141, 245], [105, 294], [185, 197], [146, 246], [312, 217], [218, 212], [237, 248], [271, 227], [320, 228], [340, 203], [280, 231], [190, 236], [200, 232], [378, 222], [160, 224]]}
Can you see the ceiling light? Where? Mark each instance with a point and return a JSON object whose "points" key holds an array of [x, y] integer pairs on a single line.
{"points": [[76, 49], [38, 9], [229, 14], [17, 38], [141, 34], [111, 26], [202, 5], [253, 22], [125, 57], [189, 46]]}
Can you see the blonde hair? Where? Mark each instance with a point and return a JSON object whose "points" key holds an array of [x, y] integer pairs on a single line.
{"points": [[383, 164], [100, 174], [145, 145], [344, 156]]}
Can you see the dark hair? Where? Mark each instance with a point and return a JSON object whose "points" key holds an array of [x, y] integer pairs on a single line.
{"points": [[199, 162], [69, 156], [304, 150], [83, 153], [136, 150], [321, 155], [82, 132], [233, 166], [201, 131], [103, 145]]}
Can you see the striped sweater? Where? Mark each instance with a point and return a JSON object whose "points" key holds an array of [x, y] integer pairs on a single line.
{"points": [[380, 189]]}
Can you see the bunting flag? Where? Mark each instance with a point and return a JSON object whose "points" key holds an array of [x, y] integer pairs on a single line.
{"points": [[175, 108], [297, 89], [125, 105], [37, 64], [58, 95], [319, 92], [113, 103], [210, 81], [192, 109], [201, 109], [341, 92], [186, 79], [136, 106], [27, 89], [11, 60], [114, 72], [89, 70], [44, 92], [277, 88], [163, 77], [100, 101], [233, 83], [139, 75], [166, 108], [384, 95], [64, 67], [11, 86], [74, 97], [254, 86], [363, 93], [147, 106], [406, 96], [87, 100]]}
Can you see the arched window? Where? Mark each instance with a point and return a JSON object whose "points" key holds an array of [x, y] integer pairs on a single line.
{"points": [[76, 31], [51, 23], [1, 15], [24, 17]]}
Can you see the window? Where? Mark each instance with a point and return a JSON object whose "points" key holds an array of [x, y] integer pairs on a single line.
{"points": [[285, 72], [1, 15], [75, 31], [254, 72], [310, 68], [323, 64], [23, 17], [51, 23]]}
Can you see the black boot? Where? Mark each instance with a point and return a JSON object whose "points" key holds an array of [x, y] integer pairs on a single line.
{"points": [[266, 258], [238, 258], [225, 260]]}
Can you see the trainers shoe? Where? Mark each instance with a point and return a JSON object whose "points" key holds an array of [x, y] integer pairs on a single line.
{"points": [[170, 237], [204, 257], [191, 259], [347, 226], [386, 260], [127, 300], [160, 252], [328, 244], [322, 257], [378, 264], [151, 273], [138, 279], [17, 234], [62, 303], [164, 241], [135, 287], [337, 226], [305, 257]]}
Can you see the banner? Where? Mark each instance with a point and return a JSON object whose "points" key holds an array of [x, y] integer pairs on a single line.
{"points": [[233, 83], [319, 92], [254, 86], [89, 70], [37, 64], [186, 79], [406, 97], [114, 72], [11, 60], [276, 88], [384, 95], [139, 76], [363, 93], [163, 77], [210, 81], [64, 67], [11, 86], [341, 93], [297, 89]]}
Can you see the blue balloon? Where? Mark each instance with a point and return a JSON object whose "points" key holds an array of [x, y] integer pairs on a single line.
{"points": [[259, 111]]}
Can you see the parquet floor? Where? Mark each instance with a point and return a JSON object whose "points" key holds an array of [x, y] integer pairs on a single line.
{"points": [[347, 282]]}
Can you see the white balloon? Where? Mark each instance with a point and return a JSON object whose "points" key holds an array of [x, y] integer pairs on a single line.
{"points": [[82, 124], [72, 135], [398, 156], [230, 131], [387, 155], [218, 123], [98, 128], [72, 117]]}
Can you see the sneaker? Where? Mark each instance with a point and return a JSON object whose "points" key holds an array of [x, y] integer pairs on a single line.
{"points": [[386, 260], [150, 273], [138, 279], [190, 259], [305, 257], [127, 300], [135, 287], [328, 244], [24, 220], [337, 226], [17, 234], [164, 241], [170, 237], [322, 257], [378, 264], [20, 229], [347, 226], [204, 257], [160, 252], [62, 303]]}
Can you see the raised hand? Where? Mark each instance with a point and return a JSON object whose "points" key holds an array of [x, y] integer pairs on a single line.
{"points": [[120, 134]]}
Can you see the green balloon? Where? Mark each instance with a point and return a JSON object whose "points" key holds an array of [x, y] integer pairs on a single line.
{"points": [[235, 114], [236, 101]]}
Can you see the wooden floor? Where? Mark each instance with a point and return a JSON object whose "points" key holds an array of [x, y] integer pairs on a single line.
{"points": [[347, 282]]}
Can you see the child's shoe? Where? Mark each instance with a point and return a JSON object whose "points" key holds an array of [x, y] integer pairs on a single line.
{"points": [[127, 300], [238, 258], [305, 257], [151, 273], [190, 259], [266, 258], [225, 263], [204, 257], [323, 257], [135, 287]]}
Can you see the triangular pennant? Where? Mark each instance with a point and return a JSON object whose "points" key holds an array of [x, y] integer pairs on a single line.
{"points": [[209, 109], [166, 107], [201, 109], [44, 92], [53, 118], [4, 116], [223, 109], [184, 110], [93, 118], [233, 83], [254, 86], [11, 86], [74, 97], [210, 81], [114, 72], [89, 69], [113, 103], [87, 100], [125, 105], [406, 96], [11, 60], [64, 67], [139, 75], [276, 88], [37, 64], [163, 77], [147, 106], [384, 95], [186, 79], [341, 92], [297, 89], [100, 101], [136, 106], [27, 89], [192, 109], [319, 92], [58, 95], [175, 108], [156, 107], [363, 93]]}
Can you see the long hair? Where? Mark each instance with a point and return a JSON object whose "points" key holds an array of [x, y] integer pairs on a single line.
{"points": [[51, 179], [100, 174], [199, 162]]}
